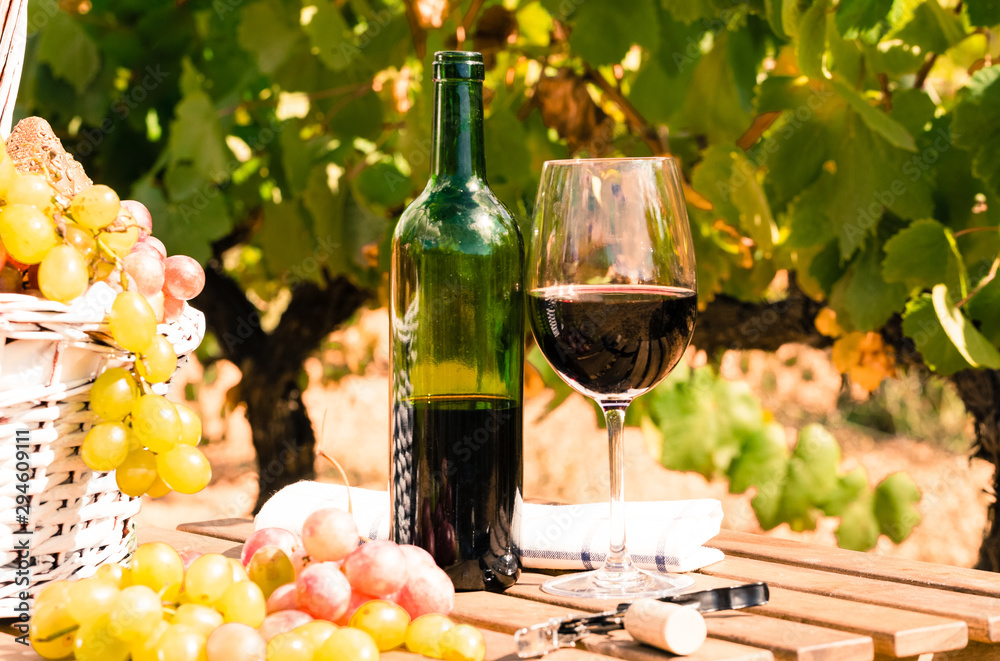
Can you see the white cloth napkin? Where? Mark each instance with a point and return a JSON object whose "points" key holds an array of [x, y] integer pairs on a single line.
{"points": [[663, 535]]}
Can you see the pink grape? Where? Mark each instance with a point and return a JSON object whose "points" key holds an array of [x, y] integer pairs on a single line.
{"points": [[282, 622], [284, 598], [156, 245], [156, 302], [358, 599], [173, 308], [142, 217], [428, 590], [184, 277], [329, 534], [146, 248], [377, 567], [416, 555], [283, 539], [188, 556], [147, 271], [323, 591]]}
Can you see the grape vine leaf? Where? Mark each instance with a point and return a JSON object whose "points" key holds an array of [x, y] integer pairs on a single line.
{"points": [[603, 32], [857, 16], [875, 119], [971, 344], [383, 184], [534, 24], [812, 40], [69, 51], [331, 37], [763, 458], [984, 308], [895, 497], [712, 104], [921, 325], [325, 203], [264, 33], [983, 13], [729, 181], [849, 488], [932, 28], [195, 136], [285, 234], [863, 299], [923, 255], [974, 126], [794, 154], [858, 529], [811, 477]]}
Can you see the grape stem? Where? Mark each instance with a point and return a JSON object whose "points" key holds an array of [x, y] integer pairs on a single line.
{"points": [[336, 464], [59, 634]]}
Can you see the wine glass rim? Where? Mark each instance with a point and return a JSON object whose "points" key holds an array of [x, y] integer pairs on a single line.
{"points": [[616, 159]]}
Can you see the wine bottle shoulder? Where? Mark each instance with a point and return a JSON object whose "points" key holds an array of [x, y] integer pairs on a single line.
{"points": [[458, 217]]}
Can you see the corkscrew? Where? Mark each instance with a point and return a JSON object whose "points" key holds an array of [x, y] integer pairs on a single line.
{"points": [[645, 619]]}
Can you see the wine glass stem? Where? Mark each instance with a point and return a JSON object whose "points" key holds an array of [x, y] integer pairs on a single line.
{"points": [[614, 414]]}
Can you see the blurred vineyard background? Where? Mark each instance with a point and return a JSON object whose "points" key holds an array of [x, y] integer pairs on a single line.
{"points": [[841, 178]]}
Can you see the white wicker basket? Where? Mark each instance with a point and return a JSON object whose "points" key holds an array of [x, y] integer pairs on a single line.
{"points": [[50, 355]]}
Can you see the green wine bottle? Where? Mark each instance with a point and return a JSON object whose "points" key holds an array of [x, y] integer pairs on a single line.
{"points": [[457, 327]]}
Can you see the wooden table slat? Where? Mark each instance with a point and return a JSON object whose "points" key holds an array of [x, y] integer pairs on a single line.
{"points": [[896, 633], [786, 639], [981, 614], [868, 565], [506, 614]]}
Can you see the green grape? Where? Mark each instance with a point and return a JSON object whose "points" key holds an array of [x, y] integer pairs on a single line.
{"points": [[105, 446], [348, 644], [463, 642], [384, 620], [95, 642], [95, 207], [159, 488], [120, 242], [424, 634], [136, 613], [203, 619], [27, 233], [54, 592], [184, 469], [145, 649], [316, 632], [52, 630], [208, 577], [289, 647], [31, 190], [63, 274], [235, 642], [80, 239], [113, 394], [91, 598], [132, 321], [156, 423], [158, 566], [116, 574], [181, 642], [242, 602], [190, 425], [158, 362], [137, 473], [8, 172]]}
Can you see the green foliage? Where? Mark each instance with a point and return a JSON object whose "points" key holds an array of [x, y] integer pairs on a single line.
{"points": [[852, 141], [716, 427]]}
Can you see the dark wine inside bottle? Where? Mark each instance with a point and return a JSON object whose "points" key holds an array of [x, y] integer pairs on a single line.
{"points": [[463, 490]]}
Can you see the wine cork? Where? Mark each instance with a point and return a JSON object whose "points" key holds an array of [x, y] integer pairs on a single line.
{"points": [[677, 629]]}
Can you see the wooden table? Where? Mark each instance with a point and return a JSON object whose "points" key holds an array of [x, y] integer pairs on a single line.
{"points": [[826, 605]]}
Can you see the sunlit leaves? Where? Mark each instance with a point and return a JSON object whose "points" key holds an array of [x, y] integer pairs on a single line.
{"points": [[974, 126], [923, 255], [265, 32], [857, 16], [863, 300], [69, 51]]}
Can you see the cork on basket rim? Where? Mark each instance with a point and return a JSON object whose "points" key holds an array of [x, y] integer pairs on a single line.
{"points": [[35, 148]]}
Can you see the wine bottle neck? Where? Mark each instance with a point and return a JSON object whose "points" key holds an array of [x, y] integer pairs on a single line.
{"points": [[458, 131]]}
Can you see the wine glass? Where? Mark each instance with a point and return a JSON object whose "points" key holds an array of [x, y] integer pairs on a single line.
{"points": [[612, 304]]}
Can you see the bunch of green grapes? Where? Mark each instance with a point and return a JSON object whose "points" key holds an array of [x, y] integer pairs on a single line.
{"points": [[156, 609], [56, 247]]}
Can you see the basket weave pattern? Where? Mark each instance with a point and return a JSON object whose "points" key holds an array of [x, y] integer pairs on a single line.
{"points": [[50, 355]]}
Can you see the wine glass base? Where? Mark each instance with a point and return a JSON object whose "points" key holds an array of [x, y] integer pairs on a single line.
{"points": [[633, 584]]}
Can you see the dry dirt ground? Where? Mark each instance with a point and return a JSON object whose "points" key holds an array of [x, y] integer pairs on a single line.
{"points": [[566, 452]]}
